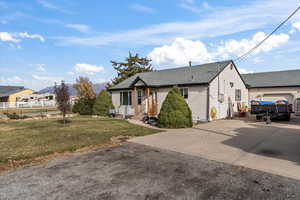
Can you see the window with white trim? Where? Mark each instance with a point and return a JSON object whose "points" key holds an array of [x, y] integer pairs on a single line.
{"points": [[184, 92], [238, 95], [125, 98], [139, 97]]}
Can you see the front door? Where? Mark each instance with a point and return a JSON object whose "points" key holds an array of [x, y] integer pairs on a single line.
{"points": [[297, 107], [152, 99]]}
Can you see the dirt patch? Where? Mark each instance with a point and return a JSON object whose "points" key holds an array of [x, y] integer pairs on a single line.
{"points": [[137, 172], [15, 164]]}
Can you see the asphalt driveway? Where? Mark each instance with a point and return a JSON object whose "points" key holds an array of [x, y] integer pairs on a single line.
{"points": [[138, 172], [271, 148]]}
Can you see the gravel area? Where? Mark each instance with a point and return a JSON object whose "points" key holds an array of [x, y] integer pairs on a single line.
{"points": [[133, 171]]}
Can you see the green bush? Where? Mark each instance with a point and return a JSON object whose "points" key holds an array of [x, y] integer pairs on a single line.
{"points": [[83, 106], [175, 112], [102, 104]]}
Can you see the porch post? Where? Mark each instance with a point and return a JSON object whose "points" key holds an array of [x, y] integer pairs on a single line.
{"points": [[147, 97], [134, 101]]}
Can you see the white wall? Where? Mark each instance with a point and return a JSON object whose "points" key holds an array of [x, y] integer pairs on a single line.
{"points": [[197, 101], [225, 77], [121, 109]]}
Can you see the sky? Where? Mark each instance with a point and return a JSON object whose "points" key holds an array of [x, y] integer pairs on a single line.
{"points": [[46, 41]]}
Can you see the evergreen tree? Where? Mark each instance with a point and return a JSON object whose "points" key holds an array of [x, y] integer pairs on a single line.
{"points": [[83, 106], [102, 104], [132, 66], [175, 112]]}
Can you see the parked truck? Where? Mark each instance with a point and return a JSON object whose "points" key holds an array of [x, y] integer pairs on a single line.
{"points": [[275, 110]]}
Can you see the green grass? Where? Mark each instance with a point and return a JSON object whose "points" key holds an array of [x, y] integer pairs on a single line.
{"points": [[33, 138], [26, 110]]}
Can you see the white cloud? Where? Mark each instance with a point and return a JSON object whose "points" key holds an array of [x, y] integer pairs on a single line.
{"points": [[40, 67], [87, 68], [47, 4], [237, 48], [218, 22], [33, 36], [7, 37], [142, 8], [244, 71], [296, 25], [180, 52], [191, 5], [79, 27], [47, 79], [14, 80]]}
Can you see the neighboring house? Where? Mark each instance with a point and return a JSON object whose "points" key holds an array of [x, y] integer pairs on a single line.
{"points": [[36, 100], [10, 93], [272, 86], [206, 88]]}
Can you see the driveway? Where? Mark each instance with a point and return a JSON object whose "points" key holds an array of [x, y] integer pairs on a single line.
{"points": [[138, 172], [271, 148]]}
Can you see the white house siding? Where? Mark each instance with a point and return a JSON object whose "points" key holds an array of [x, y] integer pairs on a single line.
{"points": [[121, 109], [276, 93], [197, 101], [225, 77]]}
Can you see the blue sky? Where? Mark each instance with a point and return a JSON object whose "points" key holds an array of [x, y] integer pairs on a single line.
{"points": [[43, 41]]}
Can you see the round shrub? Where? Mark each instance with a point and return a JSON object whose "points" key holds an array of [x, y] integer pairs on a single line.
{"points": [[83, 106], [102, 104], [175, 112]]}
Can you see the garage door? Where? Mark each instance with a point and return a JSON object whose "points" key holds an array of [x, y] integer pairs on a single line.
{"points": [[276, 97]]}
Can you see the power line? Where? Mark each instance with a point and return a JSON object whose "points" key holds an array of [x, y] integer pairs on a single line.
{"points": [[268, 36]]}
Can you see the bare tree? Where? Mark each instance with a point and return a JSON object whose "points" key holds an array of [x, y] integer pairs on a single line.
{"points": [[62, 98]]}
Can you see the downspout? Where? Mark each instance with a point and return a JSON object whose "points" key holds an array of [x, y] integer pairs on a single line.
{"points": [[207, 104]]}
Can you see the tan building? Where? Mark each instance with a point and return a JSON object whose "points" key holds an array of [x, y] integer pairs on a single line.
{"points": [[9, 94], [209, 88]]}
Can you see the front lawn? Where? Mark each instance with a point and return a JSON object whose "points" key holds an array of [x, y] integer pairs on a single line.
{"points": [[33, 138]]}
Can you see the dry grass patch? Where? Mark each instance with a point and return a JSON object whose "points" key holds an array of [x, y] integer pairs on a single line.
{"points": [[25, 140]]}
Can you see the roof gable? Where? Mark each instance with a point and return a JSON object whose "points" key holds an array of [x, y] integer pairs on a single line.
{"points": [[8, 90], [198, 74]]}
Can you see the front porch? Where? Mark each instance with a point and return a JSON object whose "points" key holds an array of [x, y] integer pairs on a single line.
{"points": [[144, 102]]}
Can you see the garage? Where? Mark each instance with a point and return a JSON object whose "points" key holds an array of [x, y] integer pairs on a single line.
{"points": [[274, 86], [277, 97]]}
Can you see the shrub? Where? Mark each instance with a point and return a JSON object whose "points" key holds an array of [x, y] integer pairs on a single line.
{"points": [[83, 106], [102, 104], [175, 112]]}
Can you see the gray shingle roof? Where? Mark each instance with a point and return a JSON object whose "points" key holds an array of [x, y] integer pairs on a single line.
{"points": [[197, 74], [273, 79], [6, 91]]}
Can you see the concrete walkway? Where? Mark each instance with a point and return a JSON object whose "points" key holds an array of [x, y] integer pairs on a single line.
{"points": [[271, 148]]}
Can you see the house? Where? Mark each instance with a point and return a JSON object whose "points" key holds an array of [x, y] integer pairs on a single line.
{"points": [[9, 94], [277, 85], [212, 91]]}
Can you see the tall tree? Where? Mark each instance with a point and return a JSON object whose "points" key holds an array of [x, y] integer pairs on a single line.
{"points": [[131, 66], [62, 98], [85, 88]]}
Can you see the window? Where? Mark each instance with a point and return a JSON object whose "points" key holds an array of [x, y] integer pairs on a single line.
{"points": [[238, 95], [125, 98], [231, 84], [139, 97], [184, 92]]}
